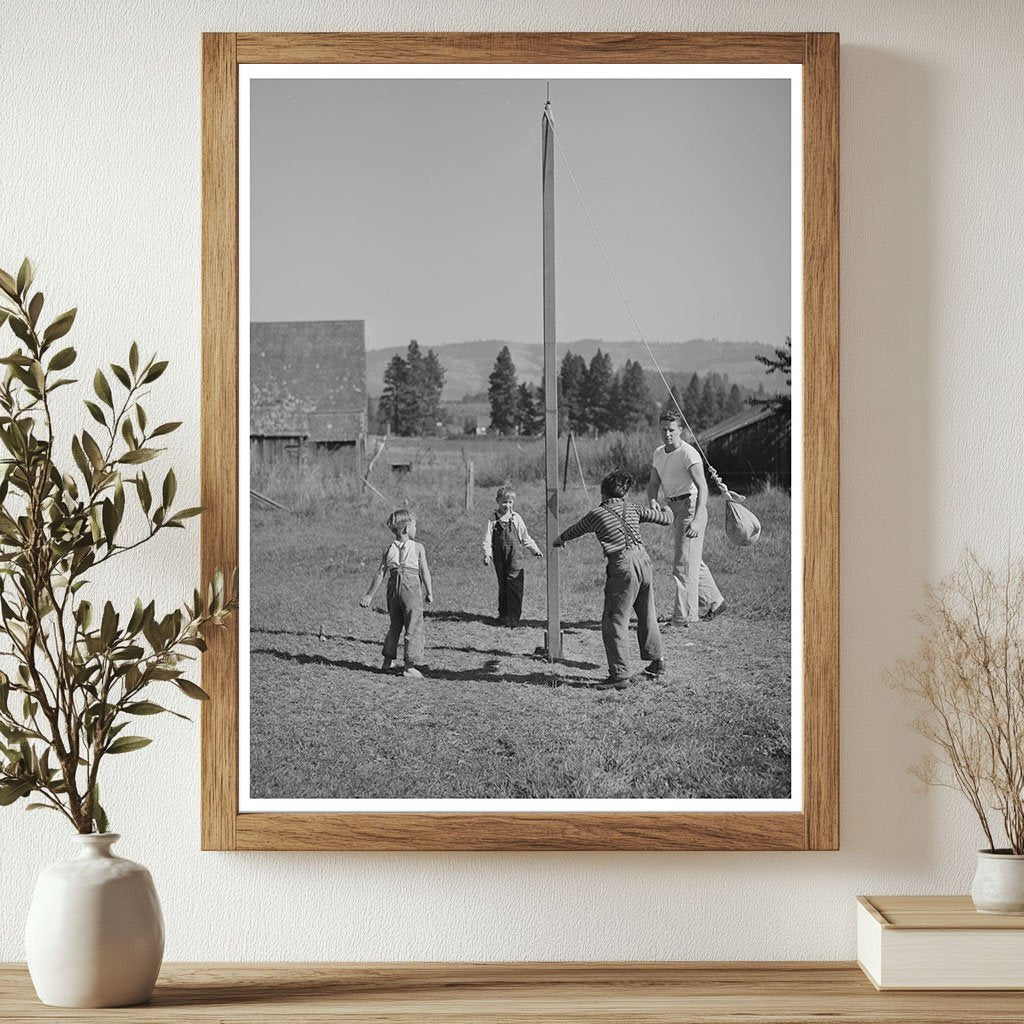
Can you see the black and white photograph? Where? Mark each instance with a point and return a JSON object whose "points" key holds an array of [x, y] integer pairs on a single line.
{"points": [[520, 417]]}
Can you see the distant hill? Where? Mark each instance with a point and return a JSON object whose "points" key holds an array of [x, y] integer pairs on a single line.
{"points": [[468, 364]]}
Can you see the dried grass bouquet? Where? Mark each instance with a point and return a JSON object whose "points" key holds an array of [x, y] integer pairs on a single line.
{"points": [[967, 678]]}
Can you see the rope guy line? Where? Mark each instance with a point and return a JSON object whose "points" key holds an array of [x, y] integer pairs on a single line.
{"points": [[629, 311]]}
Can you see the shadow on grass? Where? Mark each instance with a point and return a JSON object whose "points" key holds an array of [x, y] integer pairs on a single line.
{"points": [[488, 672], [536, 655], [318, 637], [375, 642], [438, 616], [314, 659], [453, 615]]}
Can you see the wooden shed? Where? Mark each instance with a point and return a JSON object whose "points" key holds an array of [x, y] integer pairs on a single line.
{"points": [[751, 448], [307, 386]]}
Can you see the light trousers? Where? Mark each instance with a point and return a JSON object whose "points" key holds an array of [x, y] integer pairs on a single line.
{"points": [[696, 590]]}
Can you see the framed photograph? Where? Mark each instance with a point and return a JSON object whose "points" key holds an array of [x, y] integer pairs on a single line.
{"points": [[521, 421]]}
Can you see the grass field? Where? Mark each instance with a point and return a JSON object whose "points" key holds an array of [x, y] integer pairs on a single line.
{"points": [[491, 718]]}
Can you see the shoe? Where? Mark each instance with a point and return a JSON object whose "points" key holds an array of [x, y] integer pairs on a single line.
{"points": [[387, 665], [714, 611], [412, 672], [611, 684], [656, 669], [678, 623], [619, 684]]}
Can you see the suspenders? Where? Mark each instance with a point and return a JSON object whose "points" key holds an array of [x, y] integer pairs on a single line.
{"points": [[629, 541]]}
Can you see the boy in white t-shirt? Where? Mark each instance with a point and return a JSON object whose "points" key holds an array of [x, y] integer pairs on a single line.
{"points": [[679, 472]]}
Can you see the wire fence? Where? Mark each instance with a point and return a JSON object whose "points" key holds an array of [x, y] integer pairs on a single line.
{"points": [[414, 465]]}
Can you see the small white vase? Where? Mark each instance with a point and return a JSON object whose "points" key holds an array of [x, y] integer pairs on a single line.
{"points": [[95, 934], [999, 883]]}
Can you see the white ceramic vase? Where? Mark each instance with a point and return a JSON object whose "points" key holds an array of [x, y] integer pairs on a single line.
{"points": [[999, 883], [95, 934]]}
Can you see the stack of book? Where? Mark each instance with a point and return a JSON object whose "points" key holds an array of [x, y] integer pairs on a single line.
{"points": [[938, 942]]}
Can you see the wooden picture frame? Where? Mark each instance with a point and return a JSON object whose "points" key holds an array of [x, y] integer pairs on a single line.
{"points": [[816, 827]]}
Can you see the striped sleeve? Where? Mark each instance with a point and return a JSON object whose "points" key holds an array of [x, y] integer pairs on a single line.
{"points": [[653, 515], [579, 529]]}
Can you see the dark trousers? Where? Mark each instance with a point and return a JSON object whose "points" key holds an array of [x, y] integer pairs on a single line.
{"points": [[628, 587], [510, 593], [405, 609], [507, 554]]}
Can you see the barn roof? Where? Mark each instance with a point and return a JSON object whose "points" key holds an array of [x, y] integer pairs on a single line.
{"points": [[729, 426], [307, 379]]}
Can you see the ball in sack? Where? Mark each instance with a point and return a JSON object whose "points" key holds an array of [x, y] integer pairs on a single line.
{"points": [[742, 527]]}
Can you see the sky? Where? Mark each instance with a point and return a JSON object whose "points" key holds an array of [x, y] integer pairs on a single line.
{"points": [[415, 205]]}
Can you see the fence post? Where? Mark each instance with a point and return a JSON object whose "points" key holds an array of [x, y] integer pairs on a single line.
{"points": [[469, 485], [579, 464]]}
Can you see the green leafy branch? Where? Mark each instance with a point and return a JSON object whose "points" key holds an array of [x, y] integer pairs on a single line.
{"points": [[79, 675]]}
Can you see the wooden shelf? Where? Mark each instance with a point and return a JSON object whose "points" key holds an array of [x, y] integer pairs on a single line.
{"points": [[648, 993]]}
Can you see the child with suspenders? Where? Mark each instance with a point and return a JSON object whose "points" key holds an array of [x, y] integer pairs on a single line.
{"points": [[404, 564], [628, 585], [505, 539]]}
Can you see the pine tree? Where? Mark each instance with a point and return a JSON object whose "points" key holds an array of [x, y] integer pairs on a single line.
{"points": [[530, 411], [634, 398], [721, 393], [692, 403], [734, 403], [540, 410], [597, 393], [392, 405], [675, 402], [710, 407], [524, 408], [412, 413], [780, 403], [503, 394], [572, 381], [410, 404], [431, 387], [613, 419]]}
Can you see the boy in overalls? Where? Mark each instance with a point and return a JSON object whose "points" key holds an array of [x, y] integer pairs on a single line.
{"points": [[628, 585], [505, 537], [404, 563]]}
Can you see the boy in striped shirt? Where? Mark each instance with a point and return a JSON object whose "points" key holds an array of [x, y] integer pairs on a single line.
{"points": [[628, 583]]}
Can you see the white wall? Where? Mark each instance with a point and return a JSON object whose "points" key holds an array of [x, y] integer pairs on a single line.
{"points": [[100, 183]]}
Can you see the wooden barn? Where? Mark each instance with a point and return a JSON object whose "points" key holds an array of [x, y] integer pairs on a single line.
{"points": [[307, 386], [750, 449]]}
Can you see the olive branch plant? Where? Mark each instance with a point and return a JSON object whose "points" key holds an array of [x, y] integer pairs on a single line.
{"points": [[78, 674], [966, 681]]}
